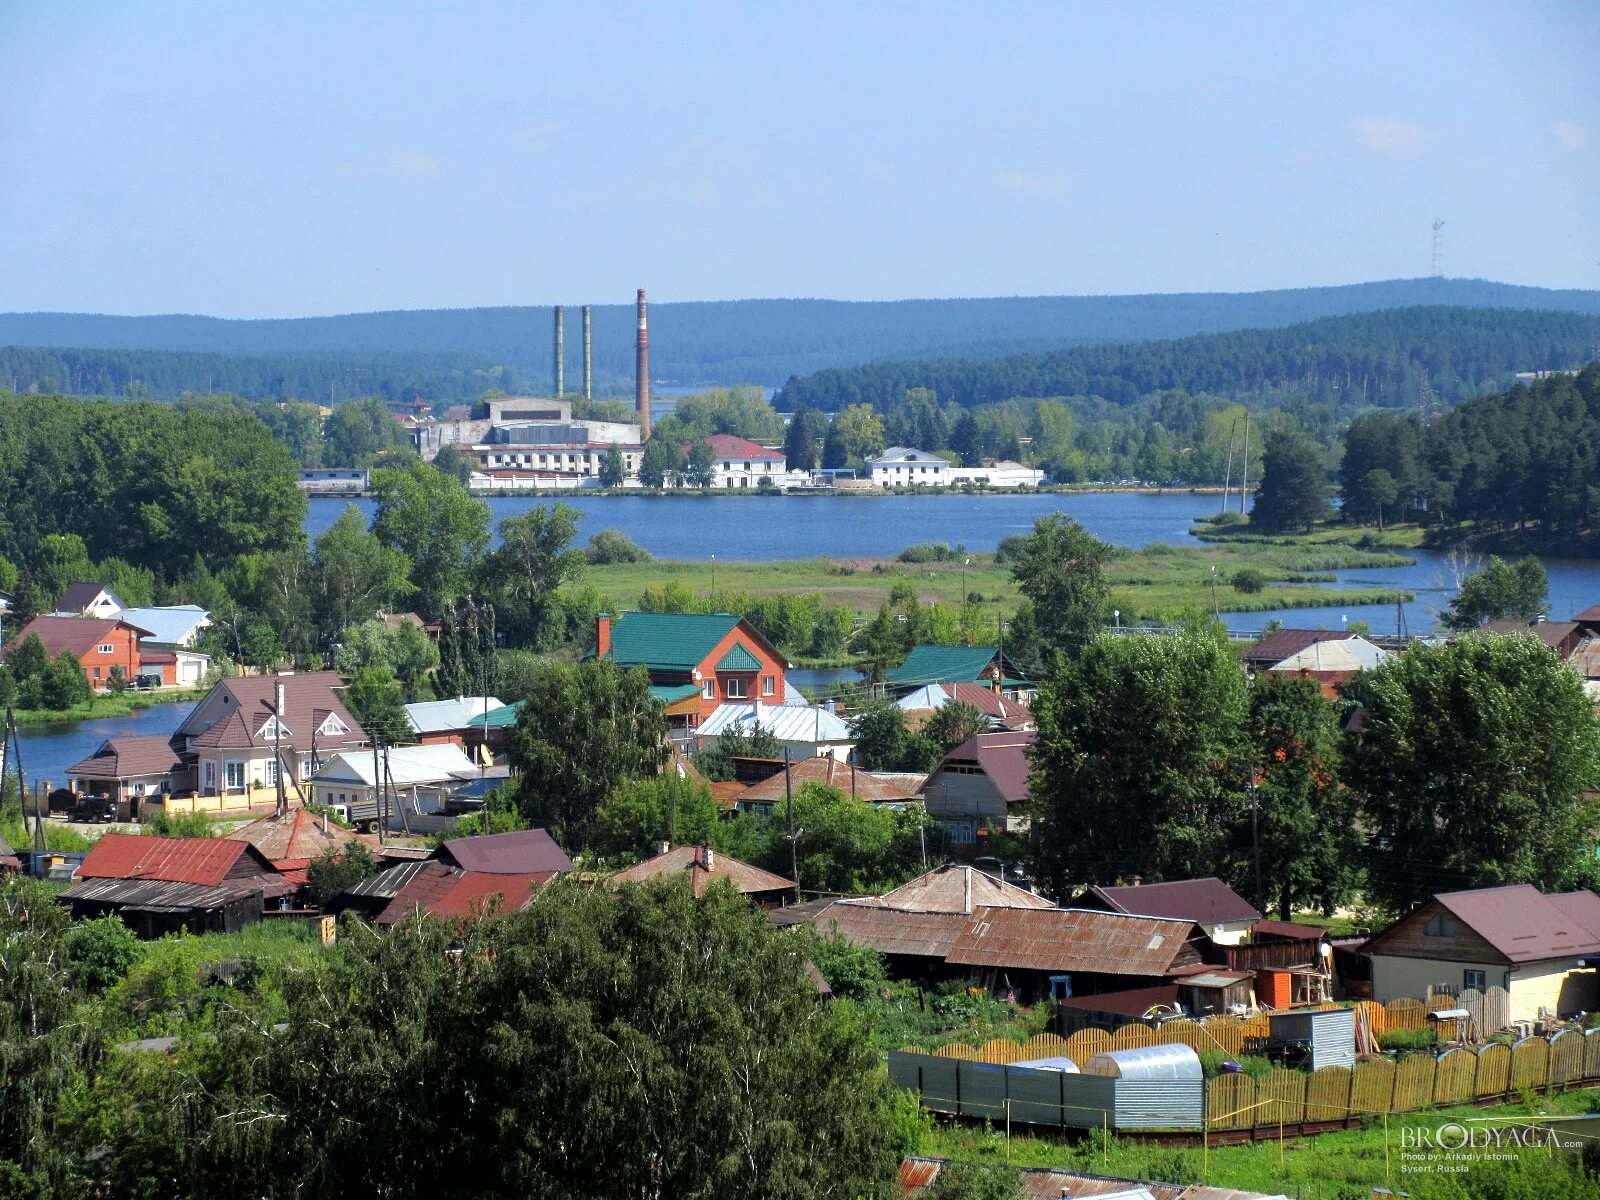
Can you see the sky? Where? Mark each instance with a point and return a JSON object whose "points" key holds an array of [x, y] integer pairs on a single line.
{"points": [[300, 158]]}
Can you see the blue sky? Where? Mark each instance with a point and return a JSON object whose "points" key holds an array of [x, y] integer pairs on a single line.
{"points": [[285, 158]]}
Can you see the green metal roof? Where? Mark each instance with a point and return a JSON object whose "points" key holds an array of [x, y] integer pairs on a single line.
{"points": [[671, 695], [500, 718], [943, 664], [739, 659], [667, 641]]}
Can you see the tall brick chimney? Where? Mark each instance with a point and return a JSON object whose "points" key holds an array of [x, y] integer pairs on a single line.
{"points": [[560, 351], [602, 634], [641, 371]]}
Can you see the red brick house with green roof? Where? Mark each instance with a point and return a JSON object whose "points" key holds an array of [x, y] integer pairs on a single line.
{"points": [[696, 661]]}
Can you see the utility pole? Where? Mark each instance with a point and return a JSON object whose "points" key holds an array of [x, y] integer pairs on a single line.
{"points": [[1255, 838], [377, 789], [1227, 476], [788, 800], [1244, 462]]}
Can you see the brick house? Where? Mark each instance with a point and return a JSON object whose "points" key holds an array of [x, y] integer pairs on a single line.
{"points": [[741, 463], [696, 661], [100, 644]]}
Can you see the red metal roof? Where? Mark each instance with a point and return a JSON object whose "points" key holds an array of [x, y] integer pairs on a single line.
{"points": [[76, 635], [293, 841], [1520, 922], [727, 445], [204, 861], [442, 891]]}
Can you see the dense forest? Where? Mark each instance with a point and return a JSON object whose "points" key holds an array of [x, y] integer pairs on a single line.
{"points": [[1521, 466], [1383, 359], [444, 354]]}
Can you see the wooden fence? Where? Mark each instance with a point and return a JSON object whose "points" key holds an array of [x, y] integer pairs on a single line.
{"points": [[1461, 1075]]}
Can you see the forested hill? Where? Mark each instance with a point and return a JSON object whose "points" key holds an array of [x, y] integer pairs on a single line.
{"points": [[441, 353], [1380, 358]]}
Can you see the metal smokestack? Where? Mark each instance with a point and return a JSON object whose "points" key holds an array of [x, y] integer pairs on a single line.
{"points": [[641, 371], [588, 353], [561, 351]]}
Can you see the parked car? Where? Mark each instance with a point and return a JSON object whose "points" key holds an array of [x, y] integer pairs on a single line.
{"points": [[94, 810]]}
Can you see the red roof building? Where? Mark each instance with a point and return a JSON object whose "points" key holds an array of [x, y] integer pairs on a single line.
{"points": [[740, 463], [526, 851], [292, 842], [100, 644], [704, 866], [207, 861], [162, 885], [442, 891], [982, 782]]}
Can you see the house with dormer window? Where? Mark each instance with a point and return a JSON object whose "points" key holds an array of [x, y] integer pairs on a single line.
{"points": [[697, 661], [248, 730]]}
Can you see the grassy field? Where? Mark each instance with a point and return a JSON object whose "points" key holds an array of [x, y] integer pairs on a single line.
{"points": [[1156, 583], [1348, 1163], [106, 706]]}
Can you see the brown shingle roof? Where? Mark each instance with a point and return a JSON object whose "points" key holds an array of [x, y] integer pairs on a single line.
{"points": [[1203, 901], [519, 852], [704, 866], [128, 758], [309, 699], [1551, 633], [76, 635], [1072, 939]]}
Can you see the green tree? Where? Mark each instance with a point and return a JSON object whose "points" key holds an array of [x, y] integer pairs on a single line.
{"points": [[800, 441], [1143, 733], [535, 557], [700, 470], [63, 683], [954, 723], [613, 470], [28, 659], [1379, 491], [362, 432], [975, 1181], [1060, 570], [355, 576], [338, 869], [405, 651], [467, 650], [883, 743], [585, 729], [613, 546], [966, 440], [1499, 591], [441, 529], [374, 698], [61, 559], [455, 462], [845, 845], [100, 951], [1473, 766], [859, 429], [658, 462], [1304, 818], [642, 813], [1293, 495], [653, 989]]}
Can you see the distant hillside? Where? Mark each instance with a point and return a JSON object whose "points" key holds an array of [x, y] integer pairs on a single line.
{"points": [[443, 354], [1379, 358]]}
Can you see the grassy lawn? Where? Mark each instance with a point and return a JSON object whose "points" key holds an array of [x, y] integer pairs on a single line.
{"points": [[106, 706], [1156, 583], [1348, 1163]]}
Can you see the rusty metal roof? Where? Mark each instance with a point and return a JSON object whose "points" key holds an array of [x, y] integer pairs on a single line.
{"points": [[955, 888], [890, 931], [1072, 939]]}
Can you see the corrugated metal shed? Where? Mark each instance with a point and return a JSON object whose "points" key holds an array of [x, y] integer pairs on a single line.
{"points": [[1330, 1033], [1173, 1061]]}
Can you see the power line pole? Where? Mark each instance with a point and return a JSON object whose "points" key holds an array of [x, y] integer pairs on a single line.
{"points": [[788, 799], [1244, 462]]}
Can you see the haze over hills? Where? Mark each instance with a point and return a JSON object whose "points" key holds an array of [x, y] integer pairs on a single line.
{"points": [[449, 354]]}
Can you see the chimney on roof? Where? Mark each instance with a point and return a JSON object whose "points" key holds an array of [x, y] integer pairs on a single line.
{"points": [[663, 847], [1135, 881], [711, 859], [602, 634]]}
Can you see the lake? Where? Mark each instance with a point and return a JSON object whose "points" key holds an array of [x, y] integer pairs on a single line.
{"points": [[764, 528], [48, 750]]}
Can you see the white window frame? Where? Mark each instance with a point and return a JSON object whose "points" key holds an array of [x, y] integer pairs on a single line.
{"points": [[106, 648], [211, 775], [708, 690], [769, 685], [269, 772], [734, 688], [233, 775]]}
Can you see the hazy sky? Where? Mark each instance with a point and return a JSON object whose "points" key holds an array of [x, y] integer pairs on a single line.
{"points": [[297, 158]]}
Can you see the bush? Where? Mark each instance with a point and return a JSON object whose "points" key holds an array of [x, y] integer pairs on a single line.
{"points": [[1228, 518], [1249, 581], [1408, 1040], [338, 871], [613, 546], [851, 970], [189, 824], [100, 952], [931, 552]]}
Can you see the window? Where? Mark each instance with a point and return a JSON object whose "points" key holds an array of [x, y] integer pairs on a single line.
{"points": [[1440, 926], [233, 773], [1473, 979], [961, 832], [270, 775], [211, 776], [708, 689], [768, 685], [736, 688], [333, 727], [97, 672], [106, 648]]}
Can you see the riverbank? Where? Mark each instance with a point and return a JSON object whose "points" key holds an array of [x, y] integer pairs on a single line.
{"points": [[98, 707], [1157, 583]]}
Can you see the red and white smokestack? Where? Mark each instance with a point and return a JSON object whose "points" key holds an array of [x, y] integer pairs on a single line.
{"points": [[641, 371]]}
